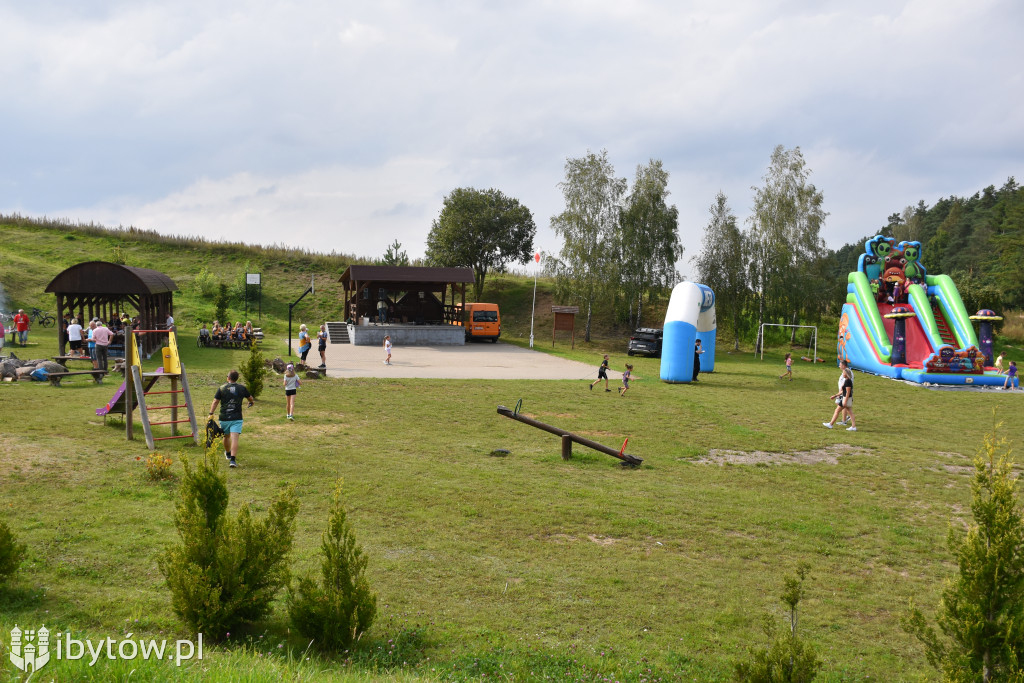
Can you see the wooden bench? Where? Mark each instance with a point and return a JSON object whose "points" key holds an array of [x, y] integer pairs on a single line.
{"points": [[56, 377]]}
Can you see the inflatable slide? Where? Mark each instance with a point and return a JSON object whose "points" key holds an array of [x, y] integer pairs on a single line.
{"points": [[898, 321], [690, 316]]}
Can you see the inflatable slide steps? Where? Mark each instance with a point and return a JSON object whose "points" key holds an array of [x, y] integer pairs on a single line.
{"points": [[940, 322]]}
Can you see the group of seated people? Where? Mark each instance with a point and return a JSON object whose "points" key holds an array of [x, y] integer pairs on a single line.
{"points": [[239, 332]]}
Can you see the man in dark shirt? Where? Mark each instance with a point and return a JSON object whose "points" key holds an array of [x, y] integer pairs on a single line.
{"points": [[230, 397]]}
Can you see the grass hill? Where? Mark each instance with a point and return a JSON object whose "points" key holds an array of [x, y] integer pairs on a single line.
{"points": [[524, 567], [34, 252]]}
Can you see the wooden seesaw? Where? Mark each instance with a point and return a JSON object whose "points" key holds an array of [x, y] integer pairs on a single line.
{"points": [[568, 438]]}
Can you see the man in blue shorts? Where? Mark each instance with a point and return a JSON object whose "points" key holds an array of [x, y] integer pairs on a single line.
{"points": [[230, 397]]}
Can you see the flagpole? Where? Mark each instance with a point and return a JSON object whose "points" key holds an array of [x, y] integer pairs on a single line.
{"points": [[536, 257]]}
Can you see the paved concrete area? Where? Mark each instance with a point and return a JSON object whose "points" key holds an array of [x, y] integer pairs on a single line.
{"points": [[472, 361]]}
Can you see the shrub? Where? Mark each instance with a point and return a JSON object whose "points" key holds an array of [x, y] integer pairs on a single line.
{"points": [[981, 612], [205, 284], [224, 571], [253, 370], [158, 467], [335, 612], [787, 658], [11, 552]]}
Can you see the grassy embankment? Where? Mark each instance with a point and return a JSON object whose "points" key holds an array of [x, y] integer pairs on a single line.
{"points": [[520, 566]]}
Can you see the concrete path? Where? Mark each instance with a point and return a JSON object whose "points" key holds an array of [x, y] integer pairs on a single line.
{"points": [[472, 361]]}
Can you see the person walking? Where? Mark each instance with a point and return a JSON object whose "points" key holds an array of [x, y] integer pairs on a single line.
{"points": [[101, 336], [602, 373], [321, 337], [387, 349], [843, 398], [697, 351], [305, 344], [21, 325], [625, 380], [382, 311], [789, 367], [230, 396], [291, 387]]}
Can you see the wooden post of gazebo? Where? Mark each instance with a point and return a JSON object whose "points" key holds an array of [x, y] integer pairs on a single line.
{"points": [[565, 319]]}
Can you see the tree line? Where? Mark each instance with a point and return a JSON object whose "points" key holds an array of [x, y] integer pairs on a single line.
{"points": [[620, 244]]}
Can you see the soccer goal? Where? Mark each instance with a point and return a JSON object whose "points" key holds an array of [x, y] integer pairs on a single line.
{"points": [[813, 339]]}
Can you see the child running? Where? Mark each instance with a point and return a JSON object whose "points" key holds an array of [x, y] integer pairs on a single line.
{"points": [[789, 367], [602, 373], [625, 380], [1011, 374], [291, 386], [387, 349]]}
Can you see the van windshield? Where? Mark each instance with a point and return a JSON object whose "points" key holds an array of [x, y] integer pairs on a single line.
{"points": [[485, 316]]}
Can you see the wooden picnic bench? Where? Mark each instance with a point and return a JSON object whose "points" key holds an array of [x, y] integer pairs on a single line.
{"points": [[56, 377]]}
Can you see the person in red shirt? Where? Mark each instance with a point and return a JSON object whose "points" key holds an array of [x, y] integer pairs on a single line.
{"points": [[21, 325]]}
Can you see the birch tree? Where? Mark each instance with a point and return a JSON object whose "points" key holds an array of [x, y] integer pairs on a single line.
{"points": [[785, 237], [589, 228], [722, 264], [648, 243]]}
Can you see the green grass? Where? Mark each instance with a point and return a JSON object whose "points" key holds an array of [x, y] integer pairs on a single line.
{"points": [[524, 563], [521, 567]]}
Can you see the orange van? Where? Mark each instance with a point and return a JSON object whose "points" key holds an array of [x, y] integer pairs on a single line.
{"points": [[482, 321]]}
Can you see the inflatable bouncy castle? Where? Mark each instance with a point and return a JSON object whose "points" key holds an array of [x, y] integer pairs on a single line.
{"points": [[690, 316], [898, 321]]}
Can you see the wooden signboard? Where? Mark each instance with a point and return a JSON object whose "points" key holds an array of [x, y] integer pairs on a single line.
{"points": [[565, 319]]}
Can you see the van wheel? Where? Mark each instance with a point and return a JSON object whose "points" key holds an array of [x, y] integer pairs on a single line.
{"points": [[629, 353], [494, 341]]}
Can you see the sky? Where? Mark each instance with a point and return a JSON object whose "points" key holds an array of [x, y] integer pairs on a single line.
{"points": [[341, 126]]}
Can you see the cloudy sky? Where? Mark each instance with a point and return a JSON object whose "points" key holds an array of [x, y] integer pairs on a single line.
{"points": [[342, 125]]}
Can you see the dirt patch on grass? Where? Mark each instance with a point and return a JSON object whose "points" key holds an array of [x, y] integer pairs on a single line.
{"points": [[602, 540], [20, 454], [829, 455]]}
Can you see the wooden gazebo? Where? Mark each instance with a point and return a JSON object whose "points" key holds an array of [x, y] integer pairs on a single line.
{"points": [[97, 289], [413, 294]]}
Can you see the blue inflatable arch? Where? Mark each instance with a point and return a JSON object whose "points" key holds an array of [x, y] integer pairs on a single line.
{"points": [[690, 316]]}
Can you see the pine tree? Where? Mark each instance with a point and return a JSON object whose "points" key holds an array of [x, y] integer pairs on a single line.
{"points": [[335, 612], [225, 571], [981, 613], [253, 370]]}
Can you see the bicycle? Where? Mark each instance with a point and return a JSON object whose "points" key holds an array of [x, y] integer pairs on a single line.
{"points": [[43, 318]]}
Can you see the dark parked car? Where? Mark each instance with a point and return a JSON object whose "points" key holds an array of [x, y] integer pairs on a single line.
{"points": [[646, 341]]}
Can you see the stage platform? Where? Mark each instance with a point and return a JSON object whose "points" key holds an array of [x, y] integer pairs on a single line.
{"points": [[406, 335]]}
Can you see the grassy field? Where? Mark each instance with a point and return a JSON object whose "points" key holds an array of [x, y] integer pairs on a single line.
{"points": [[522, 565]]}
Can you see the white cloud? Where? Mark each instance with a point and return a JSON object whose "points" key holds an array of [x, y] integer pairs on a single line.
{"points": [[349, 122]]}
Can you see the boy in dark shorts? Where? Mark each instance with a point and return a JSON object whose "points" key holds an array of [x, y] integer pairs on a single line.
{"points": [[602, 374], [230, 397]]}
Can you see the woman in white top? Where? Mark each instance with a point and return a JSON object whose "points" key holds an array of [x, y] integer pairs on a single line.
{"points": [[291, 386], [75, 336]]}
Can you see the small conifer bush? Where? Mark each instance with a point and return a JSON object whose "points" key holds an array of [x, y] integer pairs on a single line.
{"points": [[981, 613], [787, 658], [11, 552], [338, 609], [225, 571], [253, 371]]}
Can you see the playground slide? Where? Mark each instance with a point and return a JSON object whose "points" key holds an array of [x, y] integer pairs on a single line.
{"points": [[941, 346], [690, 316], [116, 402]]}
